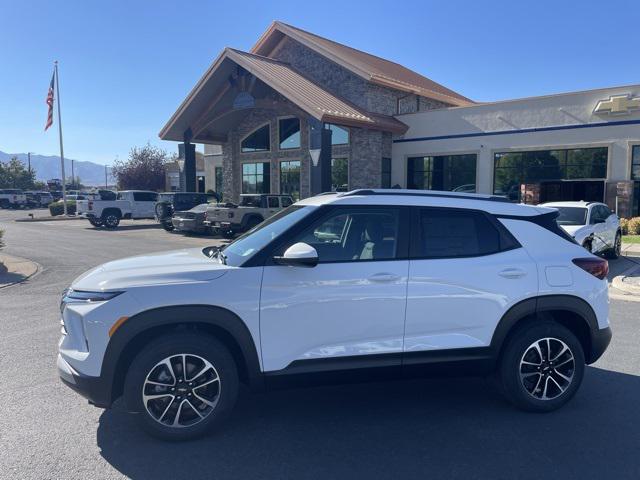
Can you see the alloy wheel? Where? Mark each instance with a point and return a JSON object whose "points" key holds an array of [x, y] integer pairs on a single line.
{"points": [[547, 368], [181, 390], [618, 245]]}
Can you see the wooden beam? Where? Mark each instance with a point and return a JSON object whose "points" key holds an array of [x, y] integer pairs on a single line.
{"points": [[202, 121]]}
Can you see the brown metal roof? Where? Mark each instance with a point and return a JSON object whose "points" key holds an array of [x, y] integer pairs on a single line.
{"points": [[370, 67], [284, 79], [309, 96]]}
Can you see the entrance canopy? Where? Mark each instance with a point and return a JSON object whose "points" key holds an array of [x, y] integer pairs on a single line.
{"points": [[238, 81]]}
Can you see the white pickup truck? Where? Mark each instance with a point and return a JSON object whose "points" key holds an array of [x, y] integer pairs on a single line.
{"points": [[12, 198], [132, 204]]}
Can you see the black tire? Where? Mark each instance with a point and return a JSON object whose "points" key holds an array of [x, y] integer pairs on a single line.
{"points": [[162, 211], [616, 251], [111, 220], [96, 222], [518, 390], [174, 346], [228, 234], [168, 226]]}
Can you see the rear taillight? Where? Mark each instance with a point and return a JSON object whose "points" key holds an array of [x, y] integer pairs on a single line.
{"points": [[598, 267]]}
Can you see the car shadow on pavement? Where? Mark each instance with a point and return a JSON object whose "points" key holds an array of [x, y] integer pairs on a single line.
{"points": [[142, 226], [435, 428]]}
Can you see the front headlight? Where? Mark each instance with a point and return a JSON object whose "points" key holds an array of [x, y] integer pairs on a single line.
{"points": [[81, 296]]}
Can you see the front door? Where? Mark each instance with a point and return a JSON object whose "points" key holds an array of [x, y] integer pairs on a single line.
{"points": [[352, 304], [465, 272]]}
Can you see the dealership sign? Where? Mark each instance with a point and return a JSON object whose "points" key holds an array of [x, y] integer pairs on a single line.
{"points": [[618, 105]]}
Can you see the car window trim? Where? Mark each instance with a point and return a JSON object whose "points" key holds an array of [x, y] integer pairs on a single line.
{"points": [[416, 237]]}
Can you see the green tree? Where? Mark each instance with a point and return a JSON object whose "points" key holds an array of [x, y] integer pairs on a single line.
{"points": [[13, 174], [144, 169]]}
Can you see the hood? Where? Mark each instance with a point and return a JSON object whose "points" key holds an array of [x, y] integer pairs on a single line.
{"points": [[176, 266], [579, 232]]}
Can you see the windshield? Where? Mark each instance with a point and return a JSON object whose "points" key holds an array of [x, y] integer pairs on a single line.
{"points": [[571, 215], [257, 238]]}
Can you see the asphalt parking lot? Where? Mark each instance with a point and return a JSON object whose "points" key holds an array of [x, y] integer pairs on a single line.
{"points": [[432, 428]]}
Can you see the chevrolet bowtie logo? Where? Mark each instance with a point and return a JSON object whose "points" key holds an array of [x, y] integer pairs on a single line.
{"points": [[618, 105]]}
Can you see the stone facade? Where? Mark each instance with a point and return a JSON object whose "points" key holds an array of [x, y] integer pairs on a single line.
{"points": [[366, 148]]}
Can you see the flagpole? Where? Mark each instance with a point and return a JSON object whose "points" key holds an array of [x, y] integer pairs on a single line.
{"points": [[64, 187]]}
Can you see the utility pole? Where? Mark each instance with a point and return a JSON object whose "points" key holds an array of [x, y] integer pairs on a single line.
{"points": [[73, 177], [106, 185], [29, 161]]}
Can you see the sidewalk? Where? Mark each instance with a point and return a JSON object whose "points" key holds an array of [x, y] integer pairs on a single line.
{"points": [[629, 281], [15, 269]]}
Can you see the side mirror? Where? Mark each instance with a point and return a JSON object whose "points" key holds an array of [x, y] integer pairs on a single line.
{"points": [[298, 255]]}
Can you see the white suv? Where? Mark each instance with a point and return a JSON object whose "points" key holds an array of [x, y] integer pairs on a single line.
{"points": [[366, 283], [592, 224]]}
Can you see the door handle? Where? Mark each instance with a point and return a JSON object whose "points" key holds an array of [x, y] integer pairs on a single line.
{"points": [[384, 277], [512, 273]]}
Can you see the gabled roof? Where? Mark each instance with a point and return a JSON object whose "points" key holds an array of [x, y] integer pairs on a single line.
{"points": [[371, 68], [285, 80]]}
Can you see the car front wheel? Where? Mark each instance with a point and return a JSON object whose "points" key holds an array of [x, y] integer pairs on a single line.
{"points": [[616, 251], [111, 220], [182, 386], [542, 367]]}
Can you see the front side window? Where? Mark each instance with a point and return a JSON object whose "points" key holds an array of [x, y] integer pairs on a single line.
{"points": [[273, 202], [290, 178], [289, 133], [258, 141], [448, 233], [443, 172], [145, 197], [339, 175], [256, 177], [339, 135], [354, 234]]}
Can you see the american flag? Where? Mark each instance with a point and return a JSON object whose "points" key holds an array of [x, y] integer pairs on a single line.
{"points": [[50, 103]]}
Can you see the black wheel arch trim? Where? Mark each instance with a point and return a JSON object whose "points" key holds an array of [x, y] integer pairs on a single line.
{"points": [[534, 306], [177, 316]]}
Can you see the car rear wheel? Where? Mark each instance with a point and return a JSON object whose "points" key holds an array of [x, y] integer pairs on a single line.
{"points": [[182, 386], [168, 226], [96, 222], [542, 367], [111, 220]]}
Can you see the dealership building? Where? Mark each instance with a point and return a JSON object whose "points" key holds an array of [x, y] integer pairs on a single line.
{"points": [[302, 114]]}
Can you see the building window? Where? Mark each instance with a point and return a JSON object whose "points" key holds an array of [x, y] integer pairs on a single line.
{"points": [[290, 178], [339, 175], [635, 163], [258, 141], [256, 178], [513, 169], [289, 133], [385, 174], [444, 172], [217, 171], [339, 135]]}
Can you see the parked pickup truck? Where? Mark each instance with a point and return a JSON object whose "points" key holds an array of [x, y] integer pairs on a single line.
{"points": [[228, 219], [133, 204], [12, 198]]}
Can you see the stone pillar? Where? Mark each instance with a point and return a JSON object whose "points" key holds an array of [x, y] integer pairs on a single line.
{"points": [[320, 169], [189, 163]]}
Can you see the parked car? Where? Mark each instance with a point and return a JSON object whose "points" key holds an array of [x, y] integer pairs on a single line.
{"points": [[171, 202], [134, 204], [192, 220], [354, 285], [592, 224], [229, 219], [38, 199], [12, 198]]}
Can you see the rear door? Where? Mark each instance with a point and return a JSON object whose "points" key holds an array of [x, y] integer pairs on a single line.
{"points": [[144, 204], [465, 272], [273, 205]]}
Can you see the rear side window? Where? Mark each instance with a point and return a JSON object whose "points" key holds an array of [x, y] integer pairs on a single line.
{"points": [[450, 233], [145, 196], [286, 201], [273, 202]]}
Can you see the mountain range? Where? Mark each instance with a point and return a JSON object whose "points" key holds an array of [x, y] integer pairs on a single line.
{"points": [[48, 167]]}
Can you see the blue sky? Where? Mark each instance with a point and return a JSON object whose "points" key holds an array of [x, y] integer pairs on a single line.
{"points": [[126, 65]]}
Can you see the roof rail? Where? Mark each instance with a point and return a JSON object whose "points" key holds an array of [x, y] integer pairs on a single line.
{"points": [[427, 193]]}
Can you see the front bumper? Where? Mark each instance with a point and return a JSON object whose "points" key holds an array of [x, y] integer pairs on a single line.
{"points": [[600, 340], [94, 389]]}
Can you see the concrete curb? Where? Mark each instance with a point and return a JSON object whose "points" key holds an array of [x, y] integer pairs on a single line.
{"points": [[57, 218], [618, 281], [16, 270]]}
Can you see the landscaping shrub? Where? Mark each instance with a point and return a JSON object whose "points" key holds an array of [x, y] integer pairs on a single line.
{"points": [[57, 208], [624, 226], [633, 226]]}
